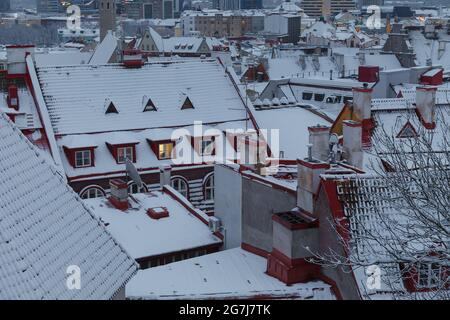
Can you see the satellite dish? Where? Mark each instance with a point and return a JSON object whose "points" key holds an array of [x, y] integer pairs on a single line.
{"points": [[133, 173]]}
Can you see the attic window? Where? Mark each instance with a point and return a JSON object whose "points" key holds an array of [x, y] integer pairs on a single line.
{"points": [[407, 131], [111, 109], [149, 106], [187, 104]]}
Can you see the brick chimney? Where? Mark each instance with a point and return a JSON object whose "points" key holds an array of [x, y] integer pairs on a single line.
{"points": [[309, 171], [119, 194], [352, 132], [426, 106], [165, 172], [319, 137], [13, 98]]}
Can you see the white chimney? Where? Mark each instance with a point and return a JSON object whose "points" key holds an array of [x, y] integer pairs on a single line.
{"points": [[426, 105], [309, 172], [362, 101], [165, 173], [352, 132], [319, 137], [16, 57]]}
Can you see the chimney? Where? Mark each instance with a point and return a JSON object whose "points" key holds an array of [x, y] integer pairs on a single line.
{"points": [[362, 101], [165, 173], [319, 137], [16, 57], [133, 59], [352, 132], [426, 106], [309, 171], [13, 98], [119, 194]]}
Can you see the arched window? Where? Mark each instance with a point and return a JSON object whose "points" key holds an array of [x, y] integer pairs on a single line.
{"points": [[92, 192], [133, 188], [181, 185], [209, 188]]}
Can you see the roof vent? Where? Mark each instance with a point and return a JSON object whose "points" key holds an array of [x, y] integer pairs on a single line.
{"points": [[158, 213], [110, 108], [187, 104], [148, 104]]}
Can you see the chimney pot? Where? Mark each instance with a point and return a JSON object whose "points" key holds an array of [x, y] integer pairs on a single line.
{"points": [[319, 140], [352, 131], [308, 182]]}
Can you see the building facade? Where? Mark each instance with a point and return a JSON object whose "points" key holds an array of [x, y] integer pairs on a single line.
{"points": [[5, 5], [48, 6], [150, 9], [107, 17], [317, 8]]}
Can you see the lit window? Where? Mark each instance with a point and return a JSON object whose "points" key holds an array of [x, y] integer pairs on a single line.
{"points": [[83, 158], [429, 275], [124, 153], [92, 193], [165, 150], [206, 147], [209, 188], [180, 185]]}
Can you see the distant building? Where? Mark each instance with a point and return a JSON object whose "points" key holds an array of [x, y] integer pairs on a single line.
{"points": [[5, 5], [217, 23], [250, 4], [366, 3], [48, 6], [150, 9], [107, 17], [317, 8]]}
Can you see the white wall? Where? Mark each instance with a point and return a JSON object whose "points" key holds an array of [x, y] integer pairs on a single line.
{"points": [[228, 203]]}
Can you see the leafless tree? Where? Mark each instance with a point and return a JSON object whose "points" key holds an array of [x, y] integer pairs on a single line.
{"points": [[398, 215]]}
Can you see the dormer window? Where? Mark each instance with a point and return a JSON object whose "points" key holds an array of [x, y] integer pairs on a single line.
{"points": [[430, 275], [124, 153], [111, 108], [83, 158], [149, 105], [165, 150], [204, 146], [187, 104], [207, 147]]}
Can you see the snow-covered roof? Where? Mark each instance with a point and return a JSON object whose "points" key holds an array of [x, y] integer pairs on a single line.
{"points": [[61, 58], [105, 49], [75, 95], [176, 44], [292, 123], [232, 274], [26, 107], [143, 236], [45, 228]]}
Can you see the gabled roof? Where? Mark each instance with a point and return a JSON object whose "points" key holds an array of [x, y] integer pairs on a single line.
{"points": [[105, 49], [45, 228], [75, 95]]}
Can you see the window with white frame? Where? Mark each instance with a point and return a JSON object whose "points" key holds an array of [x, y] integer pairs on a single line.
{"points": [[181, 186], [429, 275], [124, 153], [92, 193], [206, 146], [83, 158], [209, 188]]}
